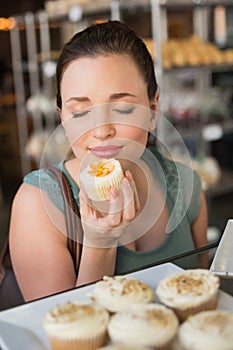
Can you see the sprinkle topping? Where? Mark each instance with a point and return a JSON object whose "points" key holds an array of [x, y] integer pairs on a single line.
{"points": [[101, 169], [70, 312]]}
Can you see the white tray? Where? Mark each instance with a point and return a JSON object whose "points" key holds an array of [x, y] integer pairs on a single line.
{"points": [[31, 315]]}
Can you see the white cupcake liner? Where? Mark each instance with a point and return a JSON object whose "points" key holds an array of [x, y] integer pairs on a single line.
{"points": [[184, 314], [92, 343]]}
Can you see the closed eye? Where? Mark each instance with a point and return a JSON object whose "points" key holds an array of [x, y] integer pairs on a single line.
{"points": [[124, 111], [80, 114]]}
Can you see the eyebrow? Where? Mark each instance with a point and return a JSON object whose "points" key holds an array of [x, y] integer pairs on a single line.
{"points": [[115, 96], [119, 95], [78, 99]]}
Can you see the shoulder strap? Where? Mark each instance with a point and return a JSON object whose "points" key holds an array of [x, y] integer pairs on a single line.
{"points": [[72, 216], [3, 259]]}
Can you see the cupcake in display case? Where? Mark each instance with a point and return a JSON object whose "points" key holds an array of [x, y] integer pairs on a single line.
{"points": [[76, 325], [117, 293], [149, 325], [207, 330], [189, 292]]}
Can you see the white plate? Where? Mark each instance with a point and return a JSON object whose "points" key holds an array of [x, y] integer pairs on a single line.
{"points": [[31, 315], [15, 337]]}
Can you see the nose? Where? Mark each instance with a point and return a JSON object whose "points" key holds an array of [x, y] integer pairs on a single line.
{"points": [[104, 131]]}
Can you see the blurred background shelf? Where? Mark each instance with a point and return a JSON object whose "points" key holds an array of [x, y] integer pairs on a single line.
{"points": [[224, 186]]}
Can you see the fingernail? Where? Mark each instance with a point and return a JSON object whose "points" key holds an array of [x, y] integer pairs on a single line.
{"points": [[129, 175]]}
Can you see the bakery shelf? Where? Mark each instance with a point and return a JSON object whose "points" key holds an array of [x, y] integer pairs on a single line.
{"points": [[174, 3], [86, 12], [211, 68], [226, 126], [97, 9], [182, 3], [224, 186], [196, 131]]}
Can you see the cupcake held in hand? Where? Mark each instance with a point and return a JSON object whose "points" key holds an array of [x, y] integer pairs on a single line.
{"points": [[100, 177]]}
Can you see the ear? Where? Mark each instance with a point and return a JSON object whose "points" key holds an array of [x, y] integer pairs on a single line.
{"points": [[154, 109]]}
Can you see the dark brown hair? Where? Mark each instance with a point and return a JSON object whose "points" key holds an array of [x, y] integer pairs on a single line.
{"points": [[112, 37]]}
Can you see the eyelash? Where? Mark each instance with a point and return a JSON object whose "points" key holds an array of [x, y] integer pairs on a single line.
{"points": [[125, 111], [80, 114], [121, 111]]}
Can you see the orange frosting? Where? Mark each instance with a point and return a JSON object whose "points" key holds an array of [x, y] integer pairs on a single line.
{"points": [[101, 169]]}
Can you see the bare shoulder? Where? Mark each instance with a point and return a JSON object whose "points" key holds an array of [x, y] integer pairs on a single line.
{"points": [[32, 199], [32, 211], [37, 244], [27, 195], [29, 204]]}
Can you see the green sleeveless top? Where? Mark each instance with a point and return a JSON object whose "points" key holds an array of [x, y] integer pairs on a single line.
{"points": [[182, 187]]}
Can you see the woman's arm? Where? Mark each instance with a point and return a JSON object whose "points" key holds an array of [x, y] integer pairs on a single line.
{"points": [[41, 260], [103, 231], [43, 265], [200, 225], [199, 232], [103, 263]]}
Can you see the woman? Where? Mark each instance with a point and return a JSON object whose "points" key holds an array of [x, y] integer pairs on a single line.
{"points": [[107, 98]]}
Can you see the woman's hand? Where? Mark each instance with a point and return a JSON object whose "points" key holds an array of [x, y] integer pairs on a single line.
{"points": [[104, 229]]}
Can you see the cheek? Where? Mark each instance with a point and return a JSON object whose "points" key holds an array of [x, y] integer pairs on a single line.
{"points": [[76, 135], [76, 130], [135, 134], [136, 140], [78, 146]]}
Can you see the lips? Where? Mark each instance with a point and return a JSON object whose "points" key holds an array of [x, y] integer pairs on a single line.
{"points": [[106, 151]]}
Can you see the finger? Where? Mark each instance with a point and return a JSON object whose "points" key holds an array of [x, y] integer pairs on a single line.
{"points": [[84, 195], [115, 208], [129, 209], [86, 208], [112, 219], [133, 185]]}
